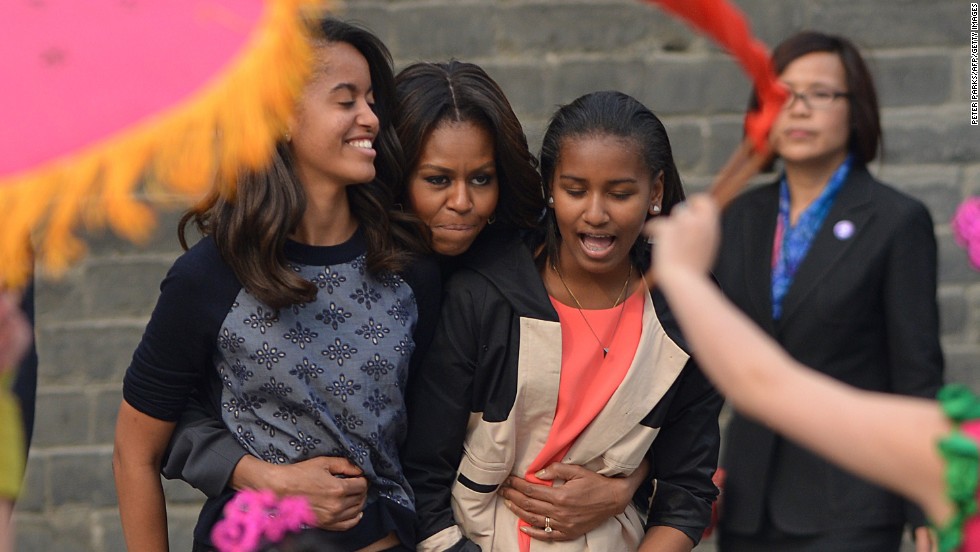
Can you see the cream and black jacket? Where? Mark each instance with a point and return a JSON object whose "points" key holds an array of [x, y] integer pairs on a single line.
{"points": [[482, 404]]}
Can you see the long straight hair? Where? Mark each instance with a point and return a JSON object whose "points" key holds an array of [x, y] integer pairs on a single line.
{"points": [[251, 228], [608, 113], [430, 94]]}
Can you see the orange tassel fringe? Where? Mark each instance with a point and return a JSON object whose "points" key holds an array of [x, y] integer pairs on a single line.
{"points": [[229, 125]]}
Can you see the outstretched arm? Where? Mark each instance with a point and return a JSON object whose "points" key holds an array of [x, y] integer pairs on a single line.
{"points": [[888, 439]]}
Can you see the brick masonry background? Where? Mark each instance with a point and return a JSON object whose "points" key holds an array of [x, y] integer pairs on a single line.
{"points": [[544, 53]]}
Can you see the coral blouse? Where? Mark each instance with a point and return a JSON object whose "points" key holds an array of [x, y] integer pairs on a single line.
{"points": [[588, 379]]}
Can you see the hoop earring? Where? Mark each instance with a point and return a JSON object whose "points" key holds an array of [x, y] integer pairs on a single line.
{"points": [[492, 219]]}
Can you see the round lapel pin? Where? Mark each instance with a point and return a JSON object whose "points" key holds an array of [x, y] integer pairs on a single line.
{"points": [[844, 229]]}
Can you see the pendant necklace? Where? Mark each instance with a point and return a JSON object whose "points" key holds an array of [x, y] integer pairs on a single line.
{"points": [[578, 305]]}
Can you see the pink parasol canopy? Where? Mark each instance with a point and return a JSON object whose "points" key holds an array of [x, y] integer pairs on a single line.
{"points": [[100, 94]]}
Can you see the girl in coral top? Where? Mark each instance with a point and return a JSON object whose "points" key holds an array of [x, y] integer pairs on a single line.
{"points": [[550, 349]]}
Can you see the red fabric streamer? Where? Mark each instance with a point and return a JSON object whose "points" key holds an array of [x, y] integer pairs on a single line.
{"points": [[728, 27]]}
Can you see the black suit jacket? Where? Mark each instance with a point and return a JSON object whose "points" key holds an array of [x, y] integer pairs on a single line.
{"points": [[862, 309]]}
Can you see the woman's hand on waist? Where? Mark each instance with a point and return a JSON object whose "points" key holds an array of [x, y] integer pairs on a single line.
{"points": [[335, 488], [583, 502]]}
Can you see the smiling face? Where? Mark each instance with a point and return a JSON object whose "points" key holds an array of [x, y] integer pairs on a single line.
{"points": [[603, 192], [803, 135], [334, 127], [453, 188]]}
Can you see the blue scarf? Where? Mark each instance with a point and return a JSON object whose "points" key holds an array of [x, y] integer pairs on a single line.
{"points": [[792, 242]]}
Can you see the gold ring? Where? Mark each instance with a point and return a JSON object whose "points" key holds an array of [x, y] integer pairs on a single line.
{"points": [[547, 525]]}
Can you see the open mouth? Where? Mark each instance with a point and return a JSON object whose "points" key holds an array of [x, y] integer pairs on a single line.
{"points": [[597, 243]]}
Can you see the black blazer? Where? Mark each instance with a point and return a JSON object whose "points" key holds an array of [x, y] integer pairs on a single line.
{"points": [[862, 309]]}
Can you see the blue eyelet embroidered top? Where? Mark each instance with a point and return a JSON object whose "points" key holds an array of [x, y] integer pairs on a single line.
{"points": [[792, 242]]}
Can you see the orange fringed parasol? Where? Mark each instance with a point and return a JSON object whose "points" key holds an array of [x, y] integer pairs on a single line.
{"points": [[102, 95]]}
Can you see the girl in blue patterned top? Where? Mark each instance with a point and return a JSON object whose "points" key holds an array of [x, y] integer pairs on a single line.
{"points": [[297, 314]]}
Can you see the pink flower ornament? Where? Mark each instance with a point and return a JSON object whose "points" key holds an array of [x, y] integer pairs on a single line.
{"points": [[966, 228], [253, 518]]}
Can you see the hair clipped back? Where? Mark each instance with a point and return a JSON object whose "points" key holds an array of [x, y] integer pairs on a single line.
{"points": [[609, 113]]}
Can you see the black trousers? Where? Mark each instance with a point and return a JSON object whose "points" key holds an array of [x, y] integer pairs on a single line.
{"points": [[857, 539]]}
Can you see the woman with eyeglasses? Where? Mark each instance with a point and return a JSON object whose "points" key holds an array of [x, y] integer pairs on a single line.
{"points": [[841, 270]]}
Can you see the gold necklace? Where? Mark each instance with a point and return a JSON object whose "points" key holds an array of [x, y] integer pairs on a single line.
{"points": [[578, 305]]}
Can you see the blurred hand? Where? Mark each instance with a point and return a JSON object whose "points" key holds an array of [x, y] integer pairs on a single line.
{"points": [[687, 240], [925, 540], [582, 503]]}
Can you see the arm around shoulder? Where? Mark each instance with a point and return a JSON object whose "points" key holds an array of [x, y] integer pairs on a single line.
{"points": [[202, 451]]}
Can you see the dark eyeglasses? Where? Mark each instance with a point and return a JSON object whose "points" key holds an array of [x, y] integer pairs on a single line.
{"points": [[814, 99]]}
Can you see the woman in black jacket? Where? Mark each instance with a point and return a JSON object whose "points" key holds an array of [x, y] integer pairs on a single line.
{"points": [[841, 270]]}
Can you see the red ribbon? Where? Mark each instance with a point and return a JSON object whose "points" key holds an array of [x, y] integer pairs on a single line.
{"points": [[728, 27]]}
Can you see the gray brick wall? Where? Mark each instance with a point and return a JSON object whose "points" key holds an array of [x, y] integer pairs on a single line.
{"points": [[543, 52]]}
